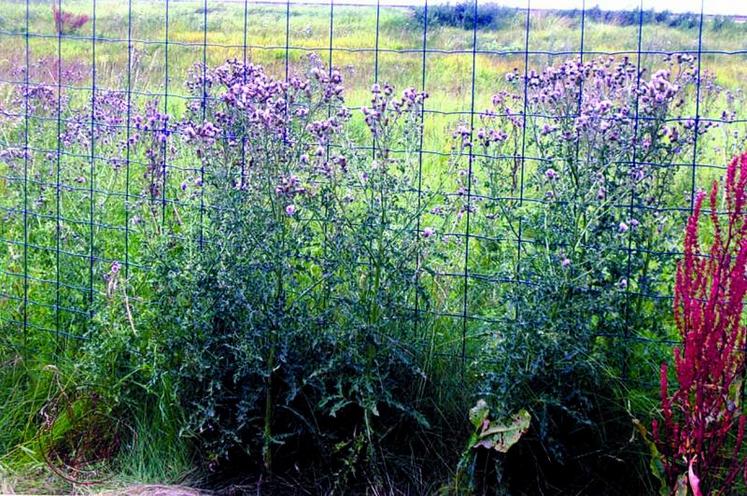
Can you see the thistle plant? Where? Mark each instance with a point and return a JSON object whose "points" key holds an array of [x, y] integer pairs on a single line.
{"points": [[302, 243], [591, 199], [261, 145], [569, 187], [701, 431], [151, 137]]}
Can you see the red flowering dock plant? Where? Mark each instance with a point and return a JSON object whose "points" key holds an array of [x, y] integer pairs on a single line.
{"points": [[701, 432], [67, 22]]}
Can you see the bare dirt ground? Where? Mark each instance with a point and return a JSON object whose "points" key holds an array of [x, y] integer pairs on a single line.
{"points": [[154, 490], [133, 490]]}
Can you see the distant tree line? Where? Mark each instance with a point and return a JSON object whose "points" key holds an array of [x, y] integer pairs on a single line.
{"points": [[464, 15]]}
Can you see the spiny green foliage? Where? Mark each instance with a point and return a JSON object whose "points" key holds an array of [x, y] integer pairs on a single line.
{"points": [[586, 213], [285, 326]]}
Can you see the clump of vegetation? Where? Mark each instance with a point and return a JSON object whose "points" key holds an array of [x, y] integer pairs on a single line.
{"points": [[67, 22], [262, 277], [686, 20], [283, 321], [585, 213], [467, 15], [464, 15], [700, 435]]}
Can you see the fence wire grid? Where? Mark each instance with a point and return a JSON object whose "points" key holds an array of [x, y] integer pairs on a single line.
{"points": [[66, 222]]}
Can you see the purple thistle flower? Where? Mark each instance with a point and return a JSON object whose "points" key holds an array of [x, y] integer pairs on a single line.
{"points": [[116, 267]]}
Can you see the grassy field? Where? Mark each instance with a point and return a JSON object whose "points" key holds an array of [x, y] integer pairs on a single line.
{"points": [[346, 37], [69, 213]]}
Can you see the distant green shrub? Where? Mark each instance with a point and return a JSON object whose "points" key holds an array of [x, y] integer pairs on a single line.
{"points": [[492, 16], [463, 15]]}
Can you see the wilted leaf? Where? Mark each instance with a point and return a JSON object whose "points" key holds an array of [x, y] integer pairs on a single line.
{"points": [[501, 436]]}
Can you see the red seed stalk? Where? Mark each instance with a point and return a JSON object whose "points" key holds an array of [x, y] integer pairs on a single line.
{"points": [[702, 427], [67, 22]]}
